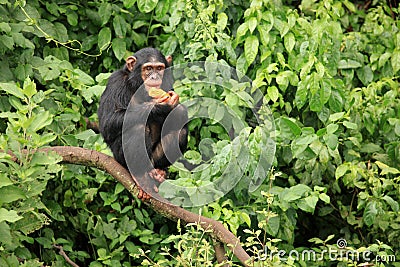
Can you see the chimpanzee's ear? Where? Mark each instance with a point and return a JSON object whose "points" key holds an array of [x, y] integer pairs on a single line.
{"points": [[130, 63], [169, 59]]}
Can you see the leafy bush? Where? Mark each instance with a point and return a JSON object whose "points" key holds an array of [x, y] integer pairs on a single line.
{"points": [[328, 69]]}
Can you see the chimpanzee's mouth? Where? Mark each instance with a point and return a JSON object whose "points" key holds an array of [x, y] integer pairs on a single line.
{"points": [[150, 84]]}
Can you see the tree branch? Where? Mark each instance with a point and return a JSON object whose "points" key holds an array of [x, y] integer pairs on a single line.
{"points": [[220, 253], [65, 256], [81, 156]]}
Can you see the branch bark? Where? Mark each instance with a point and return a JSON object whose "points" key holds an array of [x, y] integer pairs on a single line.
{"points": [[220, 253], [82, 156]]}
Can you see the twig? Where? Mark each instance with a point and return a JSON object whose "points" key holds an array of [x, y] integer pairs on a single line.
{"points": [[65, 256]]}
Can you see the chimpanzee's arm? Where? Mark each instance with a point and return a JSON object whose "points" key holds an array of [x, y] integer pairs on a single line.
{"points": [[111, 112]]}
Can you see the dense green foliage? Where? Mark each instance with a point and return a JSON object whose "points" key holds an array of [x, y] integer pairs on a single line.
{"points": [[329, 71]]}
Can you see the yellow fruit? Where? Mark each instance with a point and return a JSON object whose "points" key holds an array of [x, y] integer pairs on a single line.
{"points": [[157, 93]]}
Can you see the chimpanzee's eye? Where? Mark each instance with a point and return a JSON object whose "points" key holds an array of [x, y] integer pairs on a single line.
{"points": [[149, 68], [159, 68]]}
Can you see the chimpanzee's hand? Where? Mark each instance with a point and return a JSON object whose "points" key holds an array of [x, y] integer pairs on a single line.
{"points": [[171, 99]]}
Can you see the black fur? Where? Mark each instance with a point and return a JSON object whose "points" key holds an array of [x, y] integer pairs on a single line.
{"points": [[122, 85]]}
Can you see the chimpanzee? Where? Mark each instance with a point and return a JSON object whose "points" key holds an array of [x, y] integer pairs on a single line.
{"points": [[155, 130]]}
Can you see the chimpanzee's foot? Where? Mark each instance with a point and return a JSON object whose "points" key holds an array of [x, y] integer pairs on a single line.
{"points": [[142, 195]]}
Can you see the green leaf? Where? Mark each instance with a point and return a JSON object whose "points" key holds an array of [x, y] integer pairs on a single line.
{"points": [[307, 68], [42, 158], [336, 101], [29, 88], [242, 29], [370, 148], [264, 36], [10, 194], [7, 42], [105, 10], [348, 64], [82, 77], [11, 88], [104, 38], [245, 218], [22, 71], [393, 204], [129, 3], [61, 32], [9, 215], [288, 128], [341, 170], [325, 198], [320, 69], [273, 93], [350, 125], [88, 42], [72, 18], [120, 26], [324, 155], [119, 48], [316, 101], [40, 120], [336, 116], [46, 139], [251, 48], [5, 27], [146, 6], [85, 135], [365, 74], [299, 145], [93, 92], [273, 225], [301, 94], [331, 140], [308, 204], [370, 213], [306, 139], [252, 24], [219, 113], [289, 41], [384, 58], [193, 156], [396, 61], [332, 128], [283, 79], [222, 21], [386, 169], [4, 180], [300, 189], [294, 192]]}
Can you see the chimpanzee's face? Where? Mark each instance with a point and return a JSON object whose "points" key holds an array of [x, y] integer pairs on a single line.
{"points": [[150, 68], [152, 74]]}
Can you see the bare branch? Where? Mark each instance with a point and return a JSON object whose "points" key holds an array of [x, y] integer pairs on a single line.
{"points": [[220, 253], [65, 256]]}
